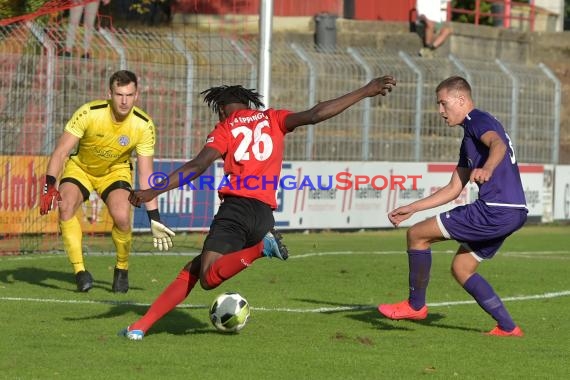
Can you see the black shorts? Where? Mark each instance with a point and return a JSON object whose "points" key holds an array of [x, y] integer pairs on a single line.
{"points": [[239, 223]]}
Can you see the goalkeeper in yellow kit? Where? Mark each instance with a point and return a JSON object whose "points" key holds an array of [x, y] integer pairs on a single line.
{"points": [[103, 134]]}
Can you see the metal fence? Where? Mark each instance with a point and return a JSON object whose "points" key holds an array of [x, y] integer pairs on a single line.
{"points": [[39, 90]]}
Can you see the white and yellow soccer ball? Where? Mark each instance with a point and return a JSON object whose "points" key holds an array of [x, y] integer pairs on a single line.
{"points": [[229, 312]]}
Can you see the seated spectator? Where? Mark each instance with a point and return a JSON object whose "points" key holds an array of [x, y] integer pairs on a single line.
{"points": [[432, 16], [89, 12]]}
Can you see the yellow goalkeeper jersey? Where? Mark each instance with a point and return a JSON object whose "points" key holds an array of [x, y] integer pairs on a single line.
{"points": [[106, 145]]}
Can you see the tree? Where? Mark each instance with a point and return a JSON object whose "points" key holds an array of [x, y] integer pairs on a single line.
{"points": [[145, 6]]}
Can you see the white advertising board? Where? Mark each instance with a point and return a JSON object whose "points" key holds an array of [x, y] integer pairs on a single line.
{"points": [[562, 192], [337, 195]]}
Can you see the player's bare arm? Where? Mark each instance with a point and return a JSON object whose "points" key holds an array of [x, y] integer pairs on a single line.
{"points": [[66, 144], [400, 214], [189, 171], [327, 109], [497, 150], [145, 168], [444, 195]]}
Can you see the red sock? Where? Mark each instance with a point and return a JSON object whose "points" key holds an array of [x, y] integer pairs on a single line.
{"points": [[231, 264], [174, 294]]}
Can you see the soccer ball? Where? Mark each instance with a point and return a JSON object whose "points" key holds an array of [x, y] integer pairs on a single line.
{"points": [[229, 312]]}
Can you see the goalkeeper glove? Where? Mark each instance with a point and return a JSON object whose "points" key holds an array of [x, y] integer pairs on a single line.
{"points": [[49, 196], [161, 234]]}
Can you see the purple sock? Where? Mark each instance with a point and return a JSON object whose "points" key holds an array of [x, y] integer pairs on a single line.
{"points": [[420, 265], [486, 297]]}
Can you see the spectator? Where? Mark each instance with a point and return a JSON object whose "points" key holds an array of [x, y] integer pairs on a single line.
{"points": [[89, 11], [432, 15]]}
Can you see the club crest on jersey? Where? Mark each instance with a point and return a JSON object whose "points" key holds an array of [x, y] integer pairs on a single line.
{"points": [[124, 140]]}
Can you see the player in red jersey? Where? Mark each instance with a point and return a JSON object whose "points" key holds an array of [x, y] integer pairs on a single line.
{"points": [[250, 142]]}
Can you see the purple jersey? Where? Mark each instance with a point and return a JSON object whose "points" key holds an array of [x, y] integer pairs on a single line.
{"points": [[505, 186]]}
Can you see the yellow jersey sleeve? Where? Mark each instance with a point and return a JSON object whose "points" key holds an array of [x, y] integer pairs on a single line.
{"points": [[147, 141], [79, 122]]}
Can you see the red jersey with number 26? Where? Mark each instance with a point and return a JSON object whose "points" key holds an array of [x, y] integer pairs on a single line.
{"points": [[251, 143]]}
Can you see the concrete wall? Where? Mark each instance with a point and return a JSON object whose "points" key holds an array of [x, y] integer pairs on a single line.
{"points": [[556, 7]]}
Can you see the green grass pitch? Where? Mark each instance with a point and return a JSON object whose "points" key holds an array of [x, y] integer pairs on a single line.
{"points": [[313, 316]]}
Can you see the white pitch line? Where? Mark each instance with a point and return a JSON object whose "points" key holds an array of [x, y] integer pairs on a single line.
{"points": [[437, 304], [94, 302], [58, 255], [333, 253], [287, 310], [299, 256]]}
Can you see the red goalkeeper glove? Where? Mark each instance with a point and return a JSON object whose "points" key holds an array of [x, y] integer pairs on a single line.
{"points": [[49, 196]]}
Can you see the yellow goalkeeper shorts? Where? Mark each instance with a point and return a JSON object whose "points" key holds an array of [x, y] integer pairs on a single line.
{"points": [[120, 178]]}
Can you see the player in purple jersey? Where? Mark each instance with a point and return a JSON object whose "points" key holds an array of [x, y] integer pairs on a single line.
{"points": [[487, 158]]}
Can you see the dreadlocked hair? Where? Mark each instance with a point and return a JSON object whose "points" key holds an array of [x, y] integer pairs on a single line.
{"points": [[217, 97]]}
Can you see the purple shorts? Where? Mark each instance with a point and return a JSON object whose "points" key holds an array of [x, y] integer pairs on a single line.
{"points": [[481, 228]]}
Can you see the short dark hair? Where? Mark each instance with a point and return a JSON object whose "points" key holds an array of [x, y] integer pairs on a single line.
{"points": [[217, 97], [123, 78], [454, 83]]}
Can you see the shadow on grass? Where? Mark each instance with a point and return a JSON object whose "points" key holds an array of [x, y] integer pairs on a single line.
{"points": [[37, 277], [176, 322], [40, 277], [369, 314], [361, 313], [181, 323], [381, 322]]}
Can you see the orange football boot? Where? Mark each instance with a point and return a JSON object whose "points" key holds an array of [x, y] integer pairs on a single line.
{"points": [[402, 310], [497, 331]]}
